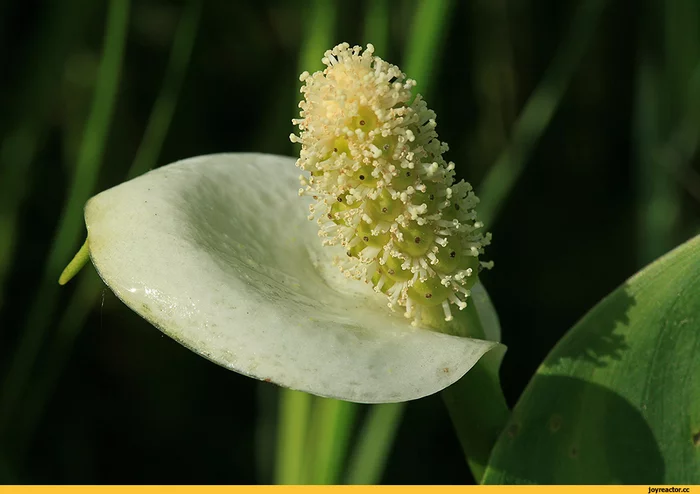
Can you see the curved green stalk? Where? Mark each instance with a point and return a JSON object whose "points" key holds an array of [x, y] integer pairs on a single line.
{"points": [[538, 111], [376, 438], [88, 289], [328, 440], [291, 436], [70, 224], [476, 404]]}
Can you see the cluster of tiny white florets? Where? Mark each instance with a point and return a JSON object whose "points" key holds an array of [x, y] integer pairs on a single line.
{"points": [[381, 186]]}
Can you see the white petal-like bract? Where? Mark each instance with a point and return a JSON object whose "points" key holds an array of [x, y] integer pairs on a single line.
{"points": [[217, 252]]}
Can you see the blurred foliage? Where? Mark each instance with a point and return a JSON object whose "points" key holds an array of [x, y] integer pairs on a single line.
{"points": [[609, 182]]}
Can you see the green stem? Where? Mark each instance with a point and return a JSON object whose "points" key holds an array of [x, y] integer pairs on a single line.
{"points": [[657, 211], [89, 286], [538, 111], [164, 107], [376, 30], [86, 294], [319, 28], [427, 35], [476, 404], [331, 426], [291, 436], [70, 223], [374, 444], [29, 122]]}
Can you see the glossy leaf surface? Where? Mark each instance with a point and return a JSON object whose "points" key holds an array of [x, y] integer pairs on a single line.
{"points": [[618, 399]]}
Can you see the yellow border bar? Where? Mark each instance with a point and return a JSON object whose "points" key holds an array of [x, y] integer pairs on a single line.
{"points": [[411, 489]]}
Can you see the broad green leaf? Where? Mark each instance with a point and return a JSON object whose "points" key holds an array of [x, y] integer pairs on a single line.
{"points": [[618, 399], [218, 253]]}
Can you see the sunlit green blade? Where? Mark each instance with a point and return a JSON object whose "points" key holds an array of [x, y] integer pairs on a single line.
{"points": [[618, 399]]}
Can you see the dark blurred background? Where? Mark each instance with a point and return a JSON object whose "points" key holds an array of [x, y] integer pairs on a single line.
{"points": [[576, 121]]}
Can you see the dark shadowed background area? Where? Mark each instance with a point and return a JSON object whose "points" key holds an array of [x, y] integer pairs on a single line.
{"points": [[576, 121]]}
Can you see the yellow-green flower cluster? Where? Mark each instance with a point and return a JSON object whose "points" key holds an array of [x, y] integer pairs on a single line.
{"points": [[381, 186]]}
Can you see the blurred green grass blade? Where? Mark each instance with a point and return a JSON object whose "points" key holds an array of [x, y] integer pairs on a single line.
{"points": [[428, 32], [89, 286], [164, 108], [88, 291], [538, 111], [657, 210], [265, 430], [682, 47], [426, 38], [290, 466], [331, 427], [69, 228], [376, 28], [28, 122], [662, 97], [292, 427], [368, 461], [680, 149], [617, 401], [493, 75], [320, 31]]}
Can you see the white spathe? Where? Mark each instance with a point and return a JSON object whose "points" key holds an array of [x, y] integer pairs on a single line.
{"points": [[218, 253]]}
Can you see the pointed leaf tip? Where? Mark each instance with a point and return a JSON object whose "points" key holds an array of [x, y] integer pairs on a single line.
{"points": [[76, 264]]}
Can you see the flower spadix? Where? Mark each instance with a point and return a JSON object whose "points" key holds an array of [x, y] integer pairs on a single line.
{"points": [[381, 188], [218, 253]]}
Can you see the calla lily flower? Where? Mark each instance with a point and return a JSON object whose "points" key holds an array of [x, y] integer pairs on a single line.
{"points": [[218, 253]]}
